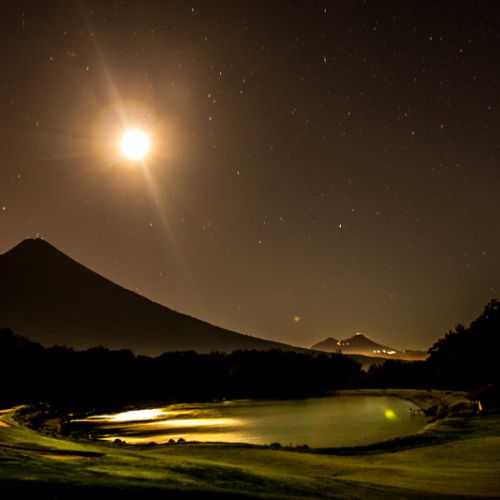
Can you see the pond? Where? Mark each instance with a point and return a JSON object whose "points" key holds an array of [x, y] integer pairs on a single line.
{"points": [[317, 422]]}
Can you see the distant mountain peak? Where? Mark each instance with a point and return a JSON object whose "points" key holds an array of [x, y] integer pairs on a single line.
{"points": [[360, 336], [331, 339], [41, 254], [32, 245], [359, 343], [37, 241], [330, 345]]}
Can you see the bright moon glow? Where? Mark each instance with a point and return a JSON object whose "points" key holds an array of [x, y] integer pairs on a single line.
{"points": [[135, 145]]}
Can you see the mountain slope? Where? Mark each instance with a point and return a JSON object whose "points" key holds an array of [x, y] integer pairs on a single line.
{"points": [[328, 345], [357, 344], [362, 345], [48, 297]]}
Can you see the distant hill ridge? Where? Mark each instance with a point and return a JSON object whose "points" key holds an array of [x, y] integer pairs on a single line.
{"points": [[361, 344], [50, 298]]}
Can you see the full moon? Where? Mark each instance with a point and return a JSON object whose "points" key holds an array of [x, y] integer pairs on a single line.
{"points": [[135, 145]]}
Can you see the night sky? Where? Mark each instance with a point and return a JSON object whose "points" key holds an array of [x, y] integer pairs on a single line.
{"points": [[318, 168]]}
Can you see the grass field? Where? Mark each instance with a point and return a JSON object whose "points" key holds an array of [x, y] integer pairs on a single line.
{"points": [[453, 457]]}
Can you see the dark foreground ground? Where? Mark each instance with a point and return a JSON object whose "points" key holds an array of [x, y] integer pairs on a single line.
{"points": [[452, 458]]}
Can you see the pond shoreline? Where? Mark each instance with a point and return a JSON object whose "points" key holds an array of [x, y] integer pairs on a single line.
{"points": [[435, 404], [330, 421], [432, 402]]}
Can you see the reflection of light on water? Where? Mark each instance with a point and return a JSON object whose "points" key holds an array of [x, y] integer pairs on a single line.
{"points": [[191, 425], [161, 416], [390, 415], [318, 422], [189, 429], [197, 422], [127, 416]]}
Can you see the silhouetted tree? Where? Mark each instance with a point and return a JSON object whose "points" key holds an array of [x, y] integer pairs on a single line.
{"points": [[468, 357]]}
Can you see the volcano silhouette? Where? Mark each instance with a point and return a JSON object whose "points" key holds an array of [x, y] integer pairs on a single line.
{"points": [[50, 298], [360, 344], [357, 344]]}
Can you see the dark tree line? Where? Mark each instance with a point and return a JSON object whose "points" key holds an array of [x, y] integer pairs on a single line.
{"points": [[103, 378], [466, 358], [469, 356]]}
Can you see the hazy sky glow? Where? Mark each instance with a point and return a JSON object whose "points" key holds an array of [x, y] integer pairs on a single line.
{"points": [[317, 168]]}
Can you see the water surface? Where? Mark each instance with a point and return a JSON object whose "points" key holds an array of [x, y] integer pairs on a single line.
{"points": [[317, 422]]}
